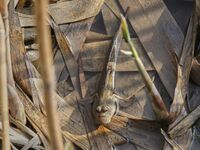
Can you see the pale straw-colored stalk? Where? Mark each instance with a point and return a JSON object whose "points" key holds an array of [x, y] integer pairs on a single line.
{"points": [[3, 88], [46, 60]]}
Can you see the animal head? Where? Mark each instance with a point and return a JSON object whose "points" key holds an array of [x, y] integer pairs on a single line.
{"points": [[106, 110]]}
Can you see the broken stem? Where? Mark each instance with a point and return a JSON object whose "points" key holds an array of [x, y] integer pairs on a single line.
{"points": [[48, 74], [158, 104], [3, 89]]}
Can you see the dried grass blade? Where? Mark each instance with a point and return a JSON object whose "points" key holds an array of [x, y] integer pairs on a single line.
{"points": [[184, 66], [171, 142], [15, 106], [76, 11], [69, 59]]}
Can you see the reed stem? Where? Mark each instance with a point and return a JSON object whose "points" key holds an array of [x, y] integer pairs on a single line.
{"points": [[158, 104], [3, 88], [48, 74]]}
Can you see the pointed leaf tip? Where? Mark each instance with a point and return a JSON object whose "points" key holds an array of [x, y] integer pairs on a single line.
{"points": [[128, 53]]}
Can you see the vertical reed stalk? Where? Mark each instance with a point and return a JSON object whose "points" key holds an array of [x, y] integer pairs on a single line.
{"points": [[3, 88], [48, 74], [6, 25]]}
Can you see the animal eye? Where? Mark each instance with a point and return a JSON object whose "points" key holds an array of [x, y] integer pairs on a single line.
{"points": [[98, 109]]}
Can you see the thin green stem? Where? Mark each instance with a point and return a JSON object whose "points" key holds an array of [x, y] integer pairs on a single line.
{"points": [[158, 104]]}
